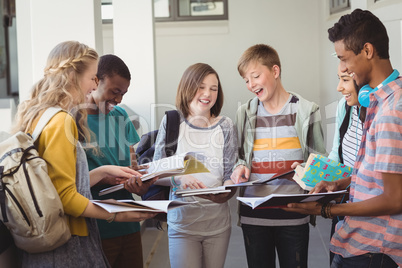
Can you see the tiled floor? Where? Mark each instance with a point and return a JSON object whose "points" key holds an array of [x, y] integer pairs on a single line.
{"points": [[155, 245]]}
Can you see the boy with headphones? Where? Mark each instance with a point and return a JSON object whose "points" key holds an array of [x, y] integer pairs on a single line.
{"points": [[371, 235]]}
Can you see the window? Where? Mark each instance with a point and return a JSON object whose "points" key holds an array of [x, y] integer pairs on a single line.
{"points": [[107, 12], [178, 10], [186, 10], [336, 6], [8, 50]]}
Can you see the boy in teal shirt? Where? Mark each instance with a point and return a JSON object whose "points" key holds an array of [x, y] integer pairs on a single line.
{"points": [[114, 134]]}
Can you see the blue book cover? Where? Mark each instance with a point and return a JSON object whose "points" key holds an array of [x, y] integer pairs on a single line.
{"points": [[320, 168]]}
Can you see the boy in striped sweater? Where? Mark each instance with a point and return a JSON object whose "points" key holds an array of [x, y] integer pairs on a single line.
{"points": [[277, 129]]}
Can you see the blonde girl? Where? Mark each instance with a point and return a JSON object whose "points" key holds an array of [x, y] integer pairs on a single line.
{"points": [[69, 76]]}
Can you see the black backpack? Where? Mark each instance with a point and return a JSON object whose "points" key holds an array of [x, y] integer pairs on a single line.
{"points": [[146, 148]]}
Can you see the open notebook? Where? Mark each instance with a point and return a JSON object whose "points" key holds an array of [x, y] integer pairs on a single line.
{"points": [[281, 200], [185, 163], [113, 206]]}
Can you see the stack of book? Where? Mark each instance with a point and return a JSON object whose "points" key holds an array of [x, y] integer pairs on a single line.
{"points": [[320, 168]]}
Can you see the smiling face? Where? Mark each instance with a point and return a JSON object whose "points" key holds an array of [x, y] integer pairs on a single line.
{"points": [[357, 65], [347, 87], [206, 96], [110, 92], [261, 81]]}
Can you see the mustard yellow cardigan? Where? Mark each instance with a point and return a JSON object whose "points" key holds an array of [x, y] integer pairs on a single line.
{"points": [[57, 146]]}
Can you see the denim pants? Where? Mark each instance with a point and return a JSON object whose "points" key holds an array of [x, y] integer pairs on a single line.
{"points": [[290, 242], [197, 251], [369, 260]]}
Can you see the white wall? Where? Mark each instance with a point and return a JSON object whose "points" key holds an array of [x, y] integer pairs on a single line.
{"points": [[291, 27], [133, 41], [390, 13], [42, 24], [297, 29]]}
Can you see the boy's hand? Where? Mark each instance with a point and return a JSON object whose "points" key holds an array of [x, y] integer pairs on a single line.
{"points": [[136, 186], [240, 174], [141, 169], [295, 164], [309, 208], [323, 187]]}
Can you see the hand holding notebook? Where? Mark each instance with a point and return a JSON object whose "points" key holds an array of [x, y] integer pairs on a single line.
{"points": [[181, 164]]}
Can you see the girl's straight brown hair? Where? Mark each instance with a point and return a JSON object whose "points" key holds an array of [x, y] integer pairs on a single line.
{"points": [[189, 84]]}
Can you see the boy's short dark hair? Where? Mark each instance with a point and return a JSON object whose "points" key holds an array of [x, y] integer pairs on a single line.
{"points": [[264, 54], [110, 65], [358, 28], [189, 84]]}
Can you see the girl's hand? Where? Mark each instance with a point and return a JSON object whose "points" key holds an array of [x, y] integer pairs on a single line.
{"points": [[188, 181], [219, 198], [118, 173], [134, 216], [112, 175], [112, 180], [240, 174]]}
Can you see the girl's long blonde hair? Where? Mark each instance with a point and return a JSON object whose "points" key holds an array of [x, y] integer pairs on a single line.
{"points": [[60, 87]]}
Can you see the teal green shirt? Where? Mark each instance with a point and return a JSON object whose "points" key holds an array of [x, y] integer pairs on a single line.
{"points": [[114, 133]]}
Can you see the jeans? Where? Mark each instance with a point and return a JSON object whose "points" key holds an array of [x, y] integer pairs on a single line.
{"points": [[290, 242], [369, 260], [197, 251]]}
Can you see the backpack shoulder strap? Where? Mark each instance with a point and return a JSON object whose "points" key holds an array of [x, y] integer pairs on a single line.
{"points": [[241, 152], [342, 130], [44, 119], [172, 131]]}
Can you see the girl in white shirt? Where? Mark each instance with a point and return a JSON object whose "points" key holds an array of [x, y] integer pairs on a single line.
{"points": [[350, 117], [199, 233]]}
